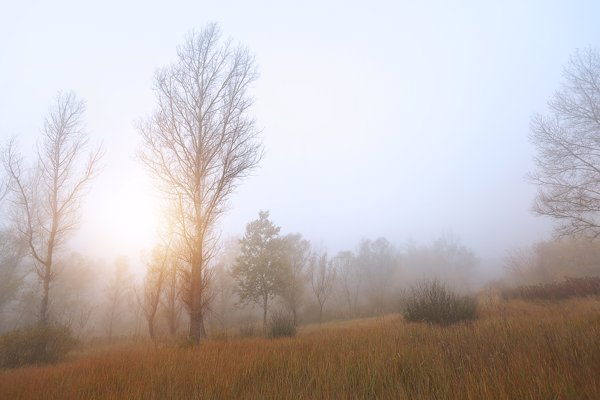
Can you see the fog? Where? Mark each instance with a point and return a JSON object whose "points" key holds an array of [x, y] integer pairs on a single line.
{"points": [[398, 120]]}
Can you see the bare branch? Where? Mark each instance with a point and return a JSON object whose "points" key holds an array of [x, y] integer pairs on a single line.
{"points": [[568, 145]]}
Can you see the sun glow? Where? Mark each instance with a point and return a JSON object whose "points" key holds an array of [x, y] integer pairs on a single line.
{"points": [[122, 217]]}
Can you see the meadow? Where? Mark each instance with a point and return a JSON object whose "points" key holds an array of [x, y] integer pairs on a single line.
{"points": [[515, 350]]}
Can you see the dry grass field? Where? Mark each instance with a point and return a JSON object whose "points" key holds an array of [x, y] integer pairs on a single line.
{"points": [[516, 350]]}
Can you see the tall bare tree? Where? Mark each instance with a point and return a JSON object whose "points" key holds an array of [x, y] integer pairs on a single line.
{"points": [[322, 279], [47, 197], [568, 149], [199, 143]]}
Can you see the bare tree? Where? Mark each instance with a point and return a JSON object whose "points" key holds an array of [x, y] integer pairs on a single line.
{"points": [[567, 164], [322, 279], [116, 294], [553, 260], [200, 142], [223, 283], [12, 273], [75, 291], [47, 197], [349, 279], [378, 266], [171, 295], [295, 254], [154, 282]]}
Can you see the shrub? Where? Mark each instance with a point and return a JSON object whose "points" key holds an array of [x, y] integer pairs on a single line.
{"points": [[35, 345], [282, 324], [570, 287], [433, 302]]}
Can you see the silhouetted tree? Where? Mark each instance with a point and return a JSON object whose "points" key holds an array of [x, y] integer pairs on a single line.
{"points": [[567, 165], [171, 295], [47, 197], [322, 277], [349, 278], [154, 282], [199, 143]]}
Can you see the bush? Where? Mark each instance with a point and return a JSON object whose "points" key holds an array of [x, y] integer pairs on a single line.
{"points": [[433, 302], [570, 287], [35, 346], [282, 324]]}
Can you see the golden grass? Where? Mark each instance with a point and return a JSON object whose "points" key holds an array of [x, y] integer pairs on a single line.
{"points": [[517, 350]]}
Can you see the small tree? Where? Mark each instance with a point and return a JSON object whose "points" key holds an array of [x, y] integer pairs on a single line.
{"points": [[154, 282], [295, 257], [47, 197], [171, 295], [349, 279], [567, 165], [258, 270], [322, 278]]}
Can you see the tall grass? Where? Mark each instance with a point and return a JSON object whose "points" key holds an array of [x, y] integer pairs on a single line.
{"points": [[515, 350]]}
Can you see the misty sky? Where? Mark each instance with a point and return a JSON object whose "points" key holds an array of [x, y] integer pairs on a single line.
{"points": [[399, 119]]}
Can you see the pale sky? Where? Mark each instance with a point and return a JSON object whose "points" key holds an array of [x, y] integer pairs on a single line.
{"points": [[400, 119]]}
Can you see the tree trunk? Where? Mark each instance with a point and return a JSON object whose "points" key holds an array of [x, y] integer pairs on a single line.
{"points": [[197, 330], [172, 323], [320, 313], [172, 301], [151, 327], [110, 326], [265, 300], [294, 316], [43, 321]]}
